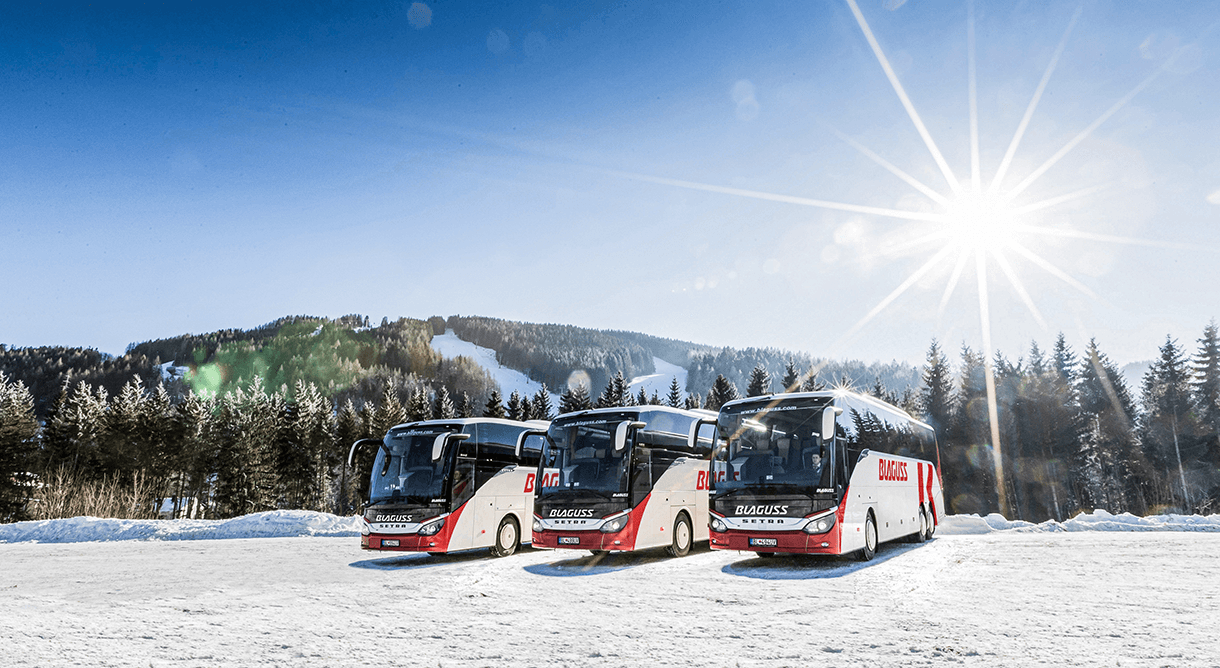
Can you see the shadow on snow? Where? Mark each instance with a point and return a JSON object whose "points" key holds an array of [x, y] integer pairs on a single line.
{"points": [[599, 564], [810, 566], [415, 560]]}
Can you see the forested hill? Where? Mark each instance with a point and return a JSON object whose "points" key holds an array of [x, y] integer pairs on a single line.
{"points": [[551, 353], [350, 358]]}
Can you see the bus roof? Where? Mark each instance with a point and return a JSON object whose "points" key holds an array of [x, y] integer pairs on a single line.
{"points": [[536, 424], [842, 396], [698, 413]]}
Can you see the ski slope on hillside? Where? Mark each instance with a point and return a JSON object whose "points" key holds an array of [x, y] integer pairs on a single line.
{"points": [[1004, 598], [510, 380], [658, 383]]}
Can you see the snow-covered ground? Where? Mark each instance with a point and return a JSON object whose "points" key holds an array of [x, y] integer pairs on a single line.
{"points": [[449, 345], [1002, 598], [659, 382]]}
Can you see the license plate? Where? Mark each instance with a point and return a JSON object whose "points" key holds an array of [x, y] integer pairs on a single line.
{"points": [[763, 542], [389, 542], [569, 540]]}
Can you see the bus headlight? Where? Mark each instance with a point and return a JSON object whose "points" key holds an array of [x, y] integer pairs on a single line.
{"points": [[820, 525], [431, 528], [718, 525], [615, 525], [538, 525]]}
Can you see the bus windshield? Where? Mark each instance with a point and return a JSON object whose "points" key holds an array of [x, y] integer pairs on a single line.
{"points": [[411, 476], [772, 445], [582, 453]]}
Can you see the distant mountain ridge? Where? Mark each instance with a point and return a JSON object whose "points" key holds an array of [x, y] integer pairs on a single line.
{"points": [[347, 357]]}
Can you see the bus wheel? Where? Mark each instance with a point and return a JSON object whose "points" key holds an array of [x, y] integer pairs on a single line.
{"points": [[931, 523], [507, 537], [682, 536], [921, 535], [870, 539]]}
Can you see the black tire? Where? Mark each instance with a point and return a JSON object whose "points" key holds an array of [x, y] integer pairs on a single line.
{"points": [[869, 550], [765, 555], [931, 524], [508, 537], [922, 533], [683, 536]]}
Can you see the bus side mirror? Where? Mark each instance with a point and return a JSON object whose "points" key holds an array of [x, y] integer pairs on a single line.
{"points": [[524, 435], [692, 439], [351, 454], [828, 423], [620, 434], [438, 446]]}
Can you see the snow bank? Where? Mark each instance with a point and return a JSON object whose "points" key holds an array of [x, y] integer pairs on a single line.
{"points": [[273, 524], [1098, 520]]}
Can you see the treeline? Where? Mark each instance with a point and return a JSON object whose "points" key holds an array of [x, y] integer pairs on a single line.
{"points": [[1072, 435], [46, 369], [203, 456], [551, 353], [738, 365]]}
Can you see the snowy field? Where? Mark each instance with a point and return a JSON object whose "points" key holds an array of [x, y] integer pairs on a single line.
{"points": [[449, 345], [1101, 596]]}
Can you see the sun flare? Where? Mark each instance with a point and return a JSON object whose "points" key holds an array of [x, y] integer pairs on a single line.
{"points": [[979, 221]]}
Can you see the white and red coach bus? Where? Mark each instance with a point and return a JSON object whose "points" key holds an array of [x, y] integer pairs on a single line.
{"points": [[621, 479], [445, 485], [822, 473]]}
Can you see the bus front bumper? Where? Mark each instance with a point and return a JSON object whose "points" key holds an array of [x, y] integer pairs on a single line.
{"points": [[408, 542], [585, 540], [795, 542]]}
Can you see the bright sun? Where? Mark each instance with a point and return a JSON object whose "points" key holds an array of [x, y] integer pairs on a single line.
{"points": [[979, 221]]}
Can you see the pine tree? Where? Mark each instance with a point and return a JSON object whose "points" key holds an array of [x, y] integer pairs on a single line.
{"points": [[493, 408], [1206, 368], [1115, 472], [575, 399], [391, 412], [760, 382], [692, 402], [641, 399], [811, 382], [18, 448], [541, 408], [442, 406], [792, 378], [1168, 427], [418, 407], [464, 407], [655, 399], [722, 392], [514, 406], [616, 393], [936, 396], [674, 398], [969, 466]]}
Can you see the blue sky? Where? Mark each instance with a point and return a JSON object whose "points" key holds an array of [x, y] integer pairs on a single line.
{"points": [[188, 166]]}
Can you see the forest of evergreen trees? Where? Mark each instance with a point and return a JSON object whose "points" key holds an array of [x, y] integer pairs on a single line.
{"points": [[264, 421]]}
